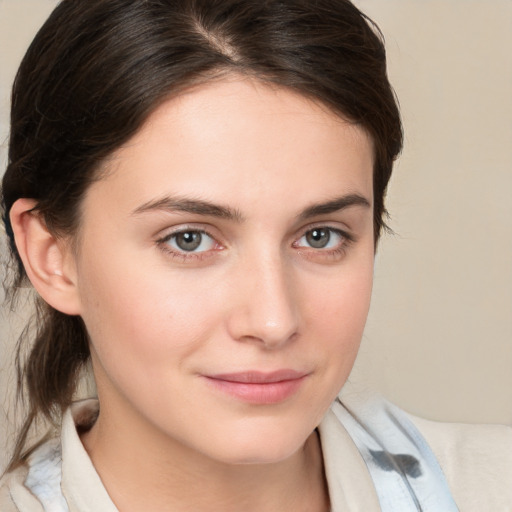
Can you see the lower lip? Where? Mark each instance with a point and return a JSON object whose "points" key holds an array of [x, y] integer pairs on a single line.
{"points": [[259, 393]]}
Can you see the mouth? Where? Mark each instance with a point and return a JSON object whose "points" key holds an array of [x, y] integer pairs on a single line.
{"points": [[255, 387]]}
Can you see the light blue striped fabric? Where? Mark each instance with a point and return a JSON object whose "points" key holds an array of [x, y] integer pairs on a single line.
{"points": [[44, 476], [404, 470]]}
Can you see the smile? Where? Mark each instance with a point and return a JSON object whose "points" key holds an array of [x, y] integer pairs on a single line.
{"points": [[256, 387]]}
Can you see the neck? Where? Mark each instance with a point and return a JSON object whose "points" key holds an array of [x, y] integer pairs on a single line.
{"points": [[144, 470]]}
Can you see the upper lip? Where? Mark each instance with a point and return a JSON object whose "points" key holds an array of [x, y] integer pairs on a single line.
{"points": [[259, 377]]}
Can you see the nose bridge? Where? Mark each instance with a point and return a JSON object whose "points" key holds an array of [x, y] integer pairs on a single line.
{"points": [[268, 309]]}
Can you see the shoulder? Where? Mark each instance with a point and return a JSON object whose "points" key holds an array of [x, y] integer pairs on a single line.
{"points": [[57, 470], [14, 495], [476, 460], [35, 485]]}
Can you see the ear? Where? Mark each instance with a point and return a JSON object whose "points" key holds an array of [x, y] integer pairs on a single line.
{"points": [[48, 260]]}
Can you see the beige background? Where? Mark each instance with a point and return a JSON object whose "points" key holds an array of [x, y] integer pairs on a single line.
{"points": [[439, 336]]}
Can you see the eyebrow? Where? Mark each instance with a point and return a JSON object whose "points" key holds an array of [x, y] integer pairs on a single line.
{"points": [[334, 205], [197, 206], [202, 207]]}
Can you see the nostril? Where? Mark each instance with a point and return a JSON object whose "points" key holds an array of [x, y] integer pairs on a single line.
{"points": [[267, 325]]}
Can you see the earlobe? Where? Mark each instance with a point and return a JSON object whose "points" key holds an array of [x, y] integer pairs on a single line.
{"points": [[47, 260]]}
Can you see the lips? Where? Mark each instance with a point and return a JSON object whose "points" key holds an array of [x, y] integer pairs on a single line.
{"points": [[258, 387]]}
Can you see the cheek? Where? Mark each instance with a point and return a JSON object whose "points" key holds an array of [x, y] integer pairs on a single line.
{"points": [[149, 315], [341, 304], [141, 335], [338, 313]]}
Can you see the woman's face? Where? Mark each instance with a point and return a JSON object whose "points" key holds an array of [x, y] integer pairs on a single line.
{"points": [[225, 268]]}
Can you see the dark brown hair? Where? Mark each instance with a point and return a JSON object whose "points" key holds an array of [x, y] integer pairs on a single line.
{"points": [[98, 68]]}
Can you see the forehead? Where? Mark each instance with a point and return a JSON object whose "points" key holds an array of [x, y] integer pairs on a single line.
{"points": [[246, 137]]}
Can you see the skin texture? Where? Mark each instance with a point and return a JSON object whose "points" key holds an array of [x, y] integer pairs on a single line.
{"points": [[254, 296]]}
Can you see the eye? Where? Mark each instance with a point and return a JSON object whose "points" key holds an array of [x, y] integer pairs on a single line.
{"points": [[321, 238], [190, 241]]}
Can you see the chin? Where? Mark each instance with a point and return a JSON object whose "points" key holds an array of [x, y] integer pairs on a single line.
{"points": [[263, 455], [261, 446]]}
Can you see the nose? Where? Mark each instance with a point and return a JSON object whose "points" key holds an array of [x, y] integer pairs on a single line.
{"points": [[265, 309]]}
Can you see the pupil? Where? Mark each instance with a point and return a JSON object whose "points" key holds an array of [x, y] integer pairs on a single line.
{"points": [[318, 238], [189, 240]]}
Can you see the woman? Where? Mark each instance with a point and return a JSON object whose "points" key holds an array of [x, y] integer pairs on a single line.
{"points": [[196, 189]]}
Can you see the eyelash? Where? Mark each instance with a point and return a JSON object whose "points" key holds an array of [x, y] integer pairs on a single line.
{"points": [[334, 253]]}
